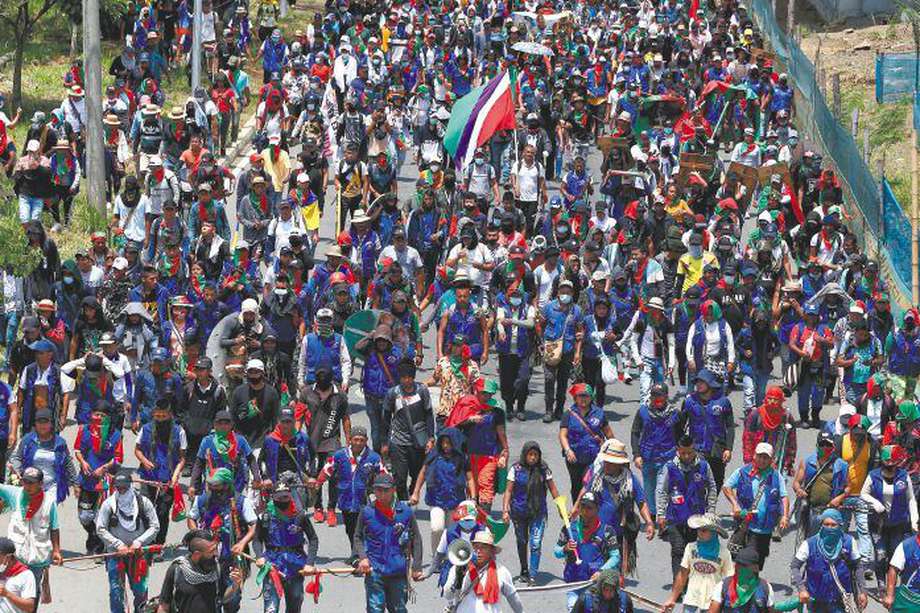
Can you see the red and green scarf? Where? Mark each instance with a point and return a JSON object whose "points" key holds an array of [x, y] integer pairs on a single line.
{"points": [[169, 266], [227, 446], [29, 505], [197, 283], [99, 431]]}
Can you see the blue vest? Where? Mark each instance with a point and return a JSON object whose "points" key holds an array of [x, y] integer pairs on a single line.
{"points": [[910, 574], [657, 442], [482, 438], [593, 603], [445, 481], [352, 481], [323, 352], [271, 448], [561, 324], [213, 460], [467, 325], [746, 492], [899, 513], [591, 349], [585, 442], [87, 399], [30, 446], [904, 357], [757, 603], [706, 424], [610, 512], [374, 379], [28, 399], [164, 460], [592, 555], [385, 540], [518, 507], [818, 579], [524, 336], [206, 514], [284, 546], [5, 395], [699, 342], [839, 473], [686, 498], [95, 460]]}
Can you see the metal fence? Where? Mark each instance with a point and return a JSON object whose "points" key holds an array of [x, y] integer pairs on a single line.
{"points": [[817, 120], [896, 75]]}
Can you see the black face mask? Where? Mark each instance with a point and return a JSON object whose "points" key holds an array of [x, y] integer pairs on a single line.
{"points": [[254, 380], [282, 504]]}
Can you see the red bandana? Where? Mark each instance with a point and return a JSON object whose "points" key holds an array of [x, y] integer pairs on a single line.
{"points": [[388, 512], [489, 593]]}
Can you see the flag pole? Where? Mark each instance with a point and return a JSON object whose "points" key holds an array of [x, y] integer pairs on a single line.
{"points": [[514, 132]]}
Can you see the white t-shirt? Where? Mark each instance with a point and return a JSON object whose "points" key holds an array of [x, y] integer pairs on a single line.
{"points": [[21, 586], [132, 223], [528, 180], [705, 575], [479, 255], [409, 258], [544, 281]]}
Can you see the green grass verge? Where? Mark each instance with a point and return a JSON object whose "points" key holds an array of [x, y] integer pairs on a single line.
{"points": [[46, 61]]}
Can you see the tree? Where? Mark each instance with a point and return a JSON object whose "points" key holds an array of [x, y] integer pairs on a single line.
{"points": [[22, 16]]}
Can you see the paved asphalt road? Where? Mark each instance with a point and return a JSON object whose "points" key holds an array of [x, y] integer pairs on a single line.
{"points": [[82, 587]]}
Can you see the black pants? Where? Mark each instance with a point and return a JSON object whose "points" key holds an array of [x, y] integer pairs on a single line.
{"points": [[351, 520], [678, 535], [430, 264], [556, 382], [681, 354], [194, 442], [407, 463], [592, 369], [509, 368], [529, 208], [576, 474], [321, 458], [718, 469], [761, 543], [4, 442], [87, 508], [162, 501], [349, 205], [889, 537]]}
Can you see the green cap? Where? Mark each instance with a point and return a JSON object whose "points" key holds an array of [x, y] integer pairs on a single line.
{"points": [[488, 386]]}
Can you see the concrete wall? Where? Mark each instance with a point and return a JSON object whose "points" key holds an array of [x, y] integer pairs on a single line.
{"points": [[833, 10]]}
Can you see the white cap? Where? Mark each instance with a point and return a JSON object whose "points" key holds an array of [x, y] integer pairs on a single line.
{"points": [[303, 178], [249, 306], [257, 364], [847, 409], [855, 308], [599, 275], [765, 216], [120, 263], [765, 448], [33, 145]]}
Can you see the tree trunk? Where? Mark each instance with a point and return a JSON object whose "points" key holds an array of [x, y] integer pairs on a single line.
{"points": [[74, 39], [18, 58]]}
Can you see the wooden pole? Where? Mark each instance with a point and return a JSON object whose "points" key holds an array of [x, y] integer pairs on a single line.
{"points": [[854, 124], [196, 46], [835, 95], [790, 18], [95, 140], [866, 145]]}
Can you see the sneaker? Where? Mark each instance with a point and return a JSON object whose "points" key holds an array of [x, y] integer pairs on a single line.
{"points": [[352, 561], [521, 416], [547, 418], [804, 424], [531, 580], [627, 378], [524, 578], [318, 516], [330, 518]]}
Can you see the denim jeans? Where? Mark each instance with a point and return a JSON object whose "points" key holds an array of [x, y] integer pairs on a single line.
{"points": [[117, 587], [572, 597], [652, 372], [385, 593], [854, 391], [293, 595], [755, 387], [866, 545], [650, 472], [375, 417], [9, 325], [30, 208], [811, 394], [528, 535]]}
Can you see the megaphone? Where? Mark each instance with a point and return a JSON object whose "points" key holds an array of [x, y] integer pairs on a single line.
{"points": [[459, 552]]}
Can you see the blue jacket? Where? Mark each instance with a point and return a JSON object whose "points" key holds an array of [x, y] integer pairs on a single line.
{"points": [[903, 354], [445, 475], [323, 352], [30, 374], [706, 422], [165, 456], [352, 480], [746, 492], [593, 603], [658, 441], [271, 449], [30, 446], [385, 539], [686, 497], [207, 316], [374, 379], [148, 388]]}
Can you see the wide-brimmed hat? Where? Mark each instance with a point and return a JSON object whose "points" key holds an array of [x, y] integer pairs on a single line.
{"points": [[485, 537], [706, 521], [614, 452], [360, 216]]}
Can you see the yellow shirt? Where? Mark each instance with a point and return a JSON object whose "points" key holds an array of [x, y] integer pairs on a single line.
{"points": [[858, 466], [692, 268], [678, 208]]}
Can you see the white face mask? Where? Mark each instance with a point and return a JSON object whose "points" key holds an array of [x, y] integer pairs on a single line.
{"points": [[280, 292]]}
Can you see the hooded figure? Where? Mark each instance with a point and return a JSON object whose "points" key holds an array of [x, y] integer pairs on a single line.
{"points": [[69, 293], [135, 333], [604, 596], [448, 475]]}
